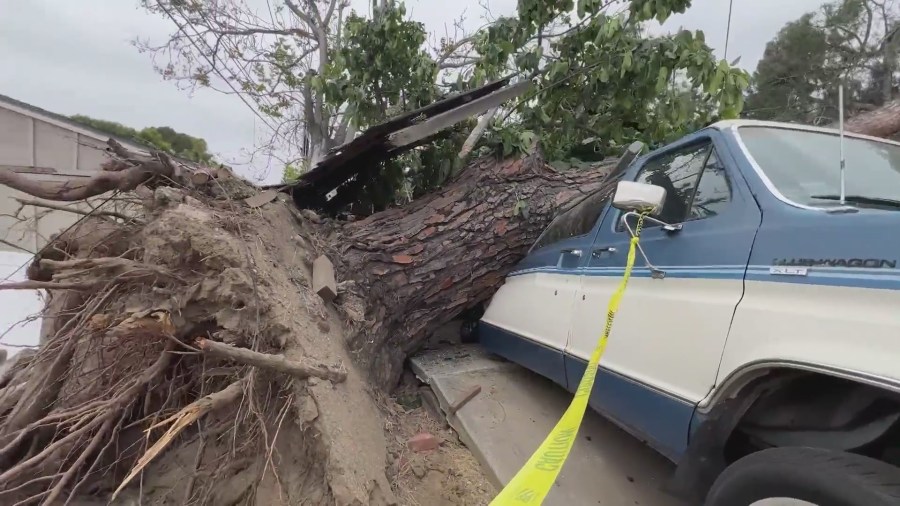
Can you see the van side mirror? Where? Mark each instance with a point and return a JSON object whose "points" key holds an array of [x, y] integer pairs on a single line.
{"points": [[640, 197]]}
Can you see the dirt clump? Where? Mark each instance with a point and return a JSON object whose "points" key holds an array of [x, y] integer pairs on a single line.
{"points": [[121, 402], [447, 476]]}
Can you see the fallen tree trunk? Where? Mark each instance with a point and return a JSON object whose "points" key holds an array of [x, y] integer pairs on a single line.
{"points": [[200, 334], [420, 265], [881, 122]]}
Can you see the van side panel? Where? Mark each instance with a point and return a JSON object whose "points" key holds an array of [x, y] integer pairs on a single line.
{"points": [[821, 289]]}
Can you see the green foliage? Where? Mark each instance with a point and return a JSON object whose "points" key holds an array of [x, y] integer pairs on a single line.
{"points": [[645, 10], [599, 80], [605, 84], [291, 173], [381, 68], [164, 139]]}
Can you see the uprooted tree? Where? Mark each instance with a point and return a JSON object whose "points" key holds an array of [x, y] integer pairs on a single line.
{"points": [[185, 357], [186, 340]]}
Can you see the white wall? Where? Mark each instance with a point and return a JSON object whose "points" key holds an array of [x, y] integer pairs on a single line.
{"points": [[16, 305], [32, 142]]}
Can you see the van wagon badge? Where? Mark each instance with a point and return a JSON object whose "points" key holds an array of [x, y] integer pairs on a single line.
{"points": [[788, 271], [860, 263]]}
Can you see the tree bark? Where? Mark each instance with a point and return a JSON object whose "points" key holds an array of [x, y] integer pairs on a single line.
{"points": [[421, 265], [882, 122]]}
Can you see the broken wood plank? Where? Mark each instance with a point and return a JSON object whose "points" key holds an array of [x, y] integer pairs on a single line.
{"points": [[261, 198], [323, 281], [462, 401]]}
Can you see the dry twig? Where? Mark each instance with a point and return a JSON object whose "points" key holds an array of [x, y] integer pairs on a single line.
{"points": [[58, 207], [188, 415]]}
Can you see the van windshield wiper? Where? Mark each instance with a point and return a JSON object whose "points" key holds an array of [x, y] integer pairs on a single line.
{"points": [[859, 199]]}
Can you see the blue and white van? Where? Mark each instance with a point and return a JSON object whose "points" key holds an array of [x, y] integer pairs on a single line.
{"points": [[758, 343]]}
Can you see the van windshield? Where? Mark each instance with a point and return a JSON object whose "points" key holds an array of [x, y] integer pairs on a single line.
{"points": [[805, 166]]}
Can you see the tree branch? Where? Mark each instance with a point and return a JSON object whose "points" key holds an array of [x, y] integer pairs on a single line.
{"points": [[477, 132], [271, 362], [16, 246], [57, 207], [69, 191], [299, 13], [330, 12], [47, 285], [263, 31]]}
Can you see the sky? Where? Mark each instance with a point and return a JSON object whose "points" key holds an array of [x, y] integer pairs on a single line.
{"points": [[77, 58]]}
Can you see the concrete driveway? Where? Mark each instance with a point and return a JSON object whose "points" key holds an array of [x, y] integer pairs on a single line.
{"points": [[513, 413]]}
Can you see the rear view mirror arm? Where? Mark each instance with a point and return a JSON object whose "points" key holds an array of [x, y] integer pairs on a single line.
{"points": [[655, 272]]}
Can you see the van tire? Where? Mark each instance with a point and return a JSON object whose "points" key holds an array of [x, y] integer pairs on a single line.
{"points": [[822, 477]]}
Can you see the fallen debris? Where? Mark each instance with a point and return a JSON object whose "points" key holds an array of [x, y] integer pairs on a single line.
{"points": [[423, 442], [261, 198], [463, 400], [197, 335], [323, 281]]}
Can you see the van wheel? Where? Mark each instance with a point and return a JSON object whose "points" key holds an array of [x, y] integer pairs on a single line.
{"points": [[468, 331], [806, 476]]}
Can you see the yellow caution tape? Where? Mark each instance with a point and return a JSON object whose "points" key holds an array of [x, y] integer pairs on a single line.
{"points": [[533, 482]]}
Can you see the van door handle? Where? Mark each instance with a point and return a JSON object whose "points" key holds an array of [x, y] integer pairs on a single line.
{"points": [[598, 252], [573, 252]]}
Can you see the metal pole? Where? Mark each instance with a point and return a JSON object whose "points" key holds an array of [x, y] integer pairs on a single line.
{"points": [[841, 127]]}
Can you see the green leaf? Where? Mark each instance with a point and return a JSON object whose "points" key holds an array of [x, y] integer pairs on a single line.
{"points": [[626, 62], [716, 82], [528, 140], [604, 75], [663, 79], [545, 118]]}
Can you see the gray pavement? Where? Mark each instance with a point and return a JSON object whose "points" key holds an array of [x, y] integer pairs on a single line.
{"points": [[513, 413]]}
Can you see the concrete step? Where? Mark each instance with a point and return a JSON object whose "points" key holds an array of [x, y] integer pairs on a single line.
{"points": [[515, 411]]}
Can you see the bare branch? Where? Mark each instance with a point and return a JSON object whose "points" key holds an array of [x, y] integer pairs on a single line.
{"points": [[477, 132], [263, 31], [69, 190], [16, 246], [49, 205], [48, 285]]}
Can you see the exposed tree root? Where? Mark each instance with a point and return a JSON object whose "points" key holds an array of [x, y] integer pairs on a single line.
{"points": [[296, 368], [118, 397], [181, 420], [185, 359]]}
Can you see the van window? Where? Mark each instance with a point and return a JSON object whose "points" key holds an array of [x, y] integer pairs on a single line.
{"points": [[678, 172], [713, 191], [576, 221], [695, 180], [805, 166]]}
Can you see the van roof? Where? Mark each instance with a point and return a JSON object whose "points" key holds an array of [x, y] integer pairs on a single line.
{"points": [[736, 123]]}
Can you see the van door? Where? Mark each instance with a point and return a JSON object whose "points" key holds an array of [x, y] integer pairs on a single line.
{"points": [[669, 333], [529, 318]]}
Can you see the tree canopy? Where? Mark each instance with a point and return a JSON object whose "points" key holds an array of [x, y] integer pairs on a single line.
{"points": [[316, 72], [849, 42], [165, 139]]}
